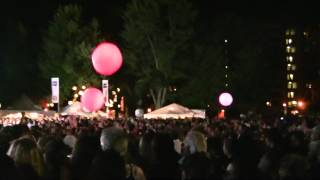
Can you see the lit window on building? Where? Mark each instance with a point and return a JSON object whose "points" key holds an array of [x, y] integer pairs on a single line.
{"points": [[289, 85], [287, 32], [294, 103], [291, 94], [291, 67], [294, 85], [290, 76], [288, 41], [288, 49], [309, 85], [292, 32], [290, 58]]}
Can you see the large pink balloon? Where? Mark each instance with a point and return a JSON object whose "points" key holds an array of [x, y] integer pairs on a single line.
{"points": [[92, 99], [225, 99], [106, 58]]}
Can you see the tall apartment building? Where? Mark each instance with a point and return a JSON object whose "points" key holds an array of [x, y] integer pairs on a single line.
{"points": [[302, 58], [290, 49]]}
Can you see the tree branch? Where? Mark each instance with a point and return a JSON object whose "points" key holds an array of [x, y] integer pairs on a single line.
{"points": [[159, 98], [153, 52], [163, 98], [153, 96]]}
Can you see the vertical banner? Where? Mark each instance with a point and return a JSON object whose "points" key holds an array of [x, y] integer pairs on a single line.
{"points": [[55, 90], [105, 90]]}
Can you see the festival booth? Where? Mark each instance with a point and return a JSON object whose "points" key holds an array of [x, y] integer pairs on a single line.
{"points": [[76, 109], [24, 107], [175, 111]]}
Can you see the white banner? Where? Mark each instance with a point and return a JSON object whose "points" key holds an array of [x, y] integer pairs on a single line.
{"points": [[105, 90], [55, 90]]}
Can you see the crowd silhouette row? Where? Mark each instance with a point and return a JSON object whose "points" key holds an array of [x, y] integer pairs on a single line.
{"points": [[140, 149]]}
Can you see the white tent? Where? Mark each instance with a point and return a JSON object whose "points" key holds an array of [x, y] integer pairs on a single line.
{"points": [[76, 109], [174, 111], [28, 114]]}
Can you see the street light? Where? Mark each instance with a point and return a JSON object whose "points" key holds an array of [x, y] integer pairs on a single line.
{"points": [[300, 104], [80, 93], [268, 104], [74, 88]]}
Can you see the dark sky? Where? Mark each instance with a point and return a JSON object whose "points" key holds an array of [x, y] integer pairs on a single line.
{"points": [[41, 9], [36, 13]]}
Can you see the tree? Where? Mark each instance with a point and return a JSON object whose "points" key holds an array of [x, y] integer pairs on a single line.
{"points": [[156, 36], [67, 45]]}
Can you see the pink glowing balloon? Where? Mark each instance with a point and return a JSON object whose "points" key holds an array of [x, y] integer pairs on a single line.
{"points": [[225, 99], [92, 99], [106, 58]]}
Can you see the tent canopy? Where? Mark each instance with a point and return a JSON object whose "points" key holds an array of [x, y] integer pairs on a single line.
{"points": [[24, 103], [174, 111], [76, 109]]}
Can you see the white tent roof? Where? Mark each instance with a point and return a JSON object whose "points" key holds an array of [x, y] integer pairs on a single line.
{"points": [[174, 111], [77, 109]]}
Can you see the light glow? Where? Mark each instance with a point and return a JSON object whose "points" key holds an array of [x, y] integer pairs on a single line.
{"points": [[225, 99]]}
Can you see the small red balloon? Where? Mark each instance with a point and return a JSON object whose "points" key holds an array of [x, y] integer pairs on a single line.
{"points": [[106, 58], [92, 99]]}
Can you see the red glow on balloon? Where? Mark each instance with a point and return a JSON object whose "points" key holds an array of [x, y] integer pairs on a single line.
{"points": [[225, 99], [106, 58], [92, 99]]}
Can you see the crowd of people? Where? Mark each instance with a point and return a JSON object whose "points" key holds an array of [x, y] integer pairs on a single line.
{"points": [[230, 149]]}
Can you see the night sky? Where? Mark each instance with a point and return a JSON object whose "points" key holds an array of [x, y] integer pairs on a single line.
{"points": [[36, 14]]}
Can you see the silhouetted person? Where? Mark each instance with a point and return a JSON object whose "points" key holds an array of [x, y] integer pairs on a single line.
{"points": [[164, 158], [86, 148], [108, 165], [197, 166]]}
